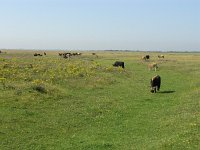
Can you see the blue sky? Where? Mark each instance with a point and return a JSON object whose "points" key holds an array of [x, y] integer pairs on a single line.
{"points": [[100, 24]]}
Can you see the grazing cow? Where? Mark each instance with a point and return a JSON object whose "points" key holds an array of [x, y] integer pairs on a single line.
{"points": [[143, 58], [67, 55], [94, 54], [36, 54], [74, 54], [45, 53], [119, 64], [155, 83], [153, 66], [146, 57], [160, 56]]}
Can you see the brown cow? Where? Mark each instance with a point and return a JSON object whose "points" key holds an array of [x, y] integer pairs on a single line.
{"points": [[153, 66], [160, 56]]}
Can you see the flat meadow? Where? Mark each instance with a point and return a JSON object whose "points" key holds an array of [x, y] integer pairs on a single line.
{"points": [[48, 102]]}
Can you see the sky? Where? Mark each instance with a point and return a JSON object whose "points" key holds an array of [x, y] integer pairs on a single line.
{"points": [[149, 25]]}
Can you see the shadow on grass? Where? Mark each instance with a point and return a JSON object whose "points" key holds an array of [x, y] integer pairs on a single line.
{"points": [[166, 92]]}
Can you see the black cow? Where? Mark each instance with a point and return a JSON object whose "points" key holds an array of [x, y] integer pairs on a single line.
{"points": [[155, 83], [119, 64], [147, 57], [37, 54]]}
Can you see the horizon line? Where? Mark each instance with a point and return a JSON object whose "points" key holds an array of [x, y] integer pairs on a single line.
{"points": [[126, 50]]}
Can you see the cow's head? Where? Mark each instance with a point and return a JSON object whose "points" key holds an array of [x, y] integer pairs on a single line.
{"points": [[153, 90], [151, 86]]}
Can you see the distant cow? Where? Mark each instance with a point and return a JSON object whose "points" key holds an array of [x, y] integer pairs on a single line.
{"points": [[160, 56], [155, 83], [66, 55], [45, 53], [143, 58], [146, 57], [119, 64], [153, 66], [37, 54]]}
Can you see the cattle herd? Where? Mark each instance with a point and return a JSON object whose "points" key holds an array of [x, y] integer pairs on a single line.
{"points": [[68, 55], [155, 81]]}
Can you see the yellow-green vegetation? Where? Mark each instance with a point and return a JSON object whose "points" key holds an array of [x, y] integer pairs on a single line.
{"points": [[84, 102]]}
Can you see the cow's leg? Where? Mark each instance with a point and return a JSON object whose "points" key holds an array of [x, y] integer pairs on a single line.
{"points": [[158, 86], [153, 90]]}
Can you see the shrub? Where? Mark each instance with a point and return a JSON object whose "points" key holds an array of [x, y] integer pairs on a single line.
{"points": [[40, 88]]}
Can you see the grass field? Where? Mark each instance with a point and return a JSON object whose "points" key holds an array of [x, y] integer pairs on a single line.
{"points": [[84, 103]]}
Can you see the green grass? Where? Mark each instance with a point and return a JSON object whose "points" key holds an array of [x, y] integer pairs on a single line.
{"points": [[85, 103]]}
